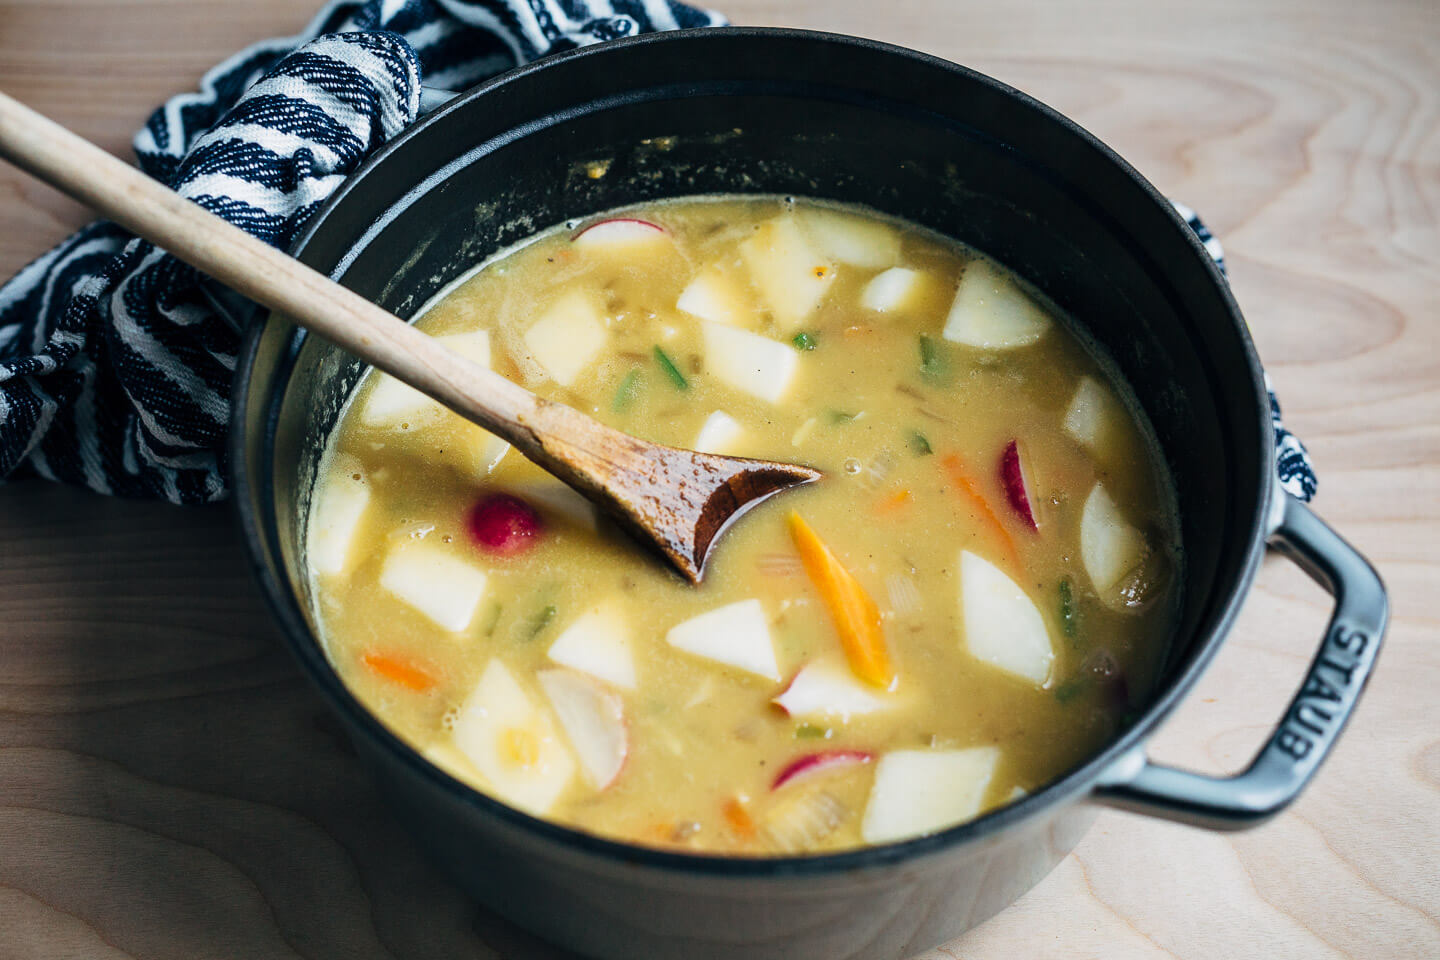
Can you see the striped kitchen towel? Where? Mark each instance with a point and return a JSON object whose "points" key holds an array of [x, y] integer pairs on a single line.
{"points": [[114, 367]]}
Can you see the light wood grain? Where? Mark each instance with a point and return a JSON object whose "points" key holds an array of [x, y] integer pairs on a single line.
{"points": [[170, 788]]}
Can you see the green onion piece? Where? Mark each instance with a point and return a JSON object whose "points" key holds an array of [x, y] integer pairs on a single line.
{"points": [[540, 621], [627, 392], [1069, 616], [840, 416], [494, 619], [803, 341], [671, 371], [932, 363], [920, 444], [808, 731], [1069, 690]]}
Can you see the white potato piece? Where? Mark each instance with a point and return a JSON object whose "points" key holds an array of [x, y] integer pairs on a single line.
{"points": [[430, 578], [339, 507], [895, 289], [992, 312], [790, 274], [567, 336], [715, 296], [824, 689], [598, 643], [736, 634], [1002, 625], [719, 433], [556, 500], [512, 743], [483, 450], [1091, 413], [923, 791], [750, 363], [392, 402], [593, 719], [855, 240], [1109, 545]]}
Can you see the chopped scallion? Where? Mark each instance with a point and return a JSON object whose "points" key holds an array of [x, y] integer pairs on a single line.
{"points": [[540, 621], [920, 444], [1069, 616], [803, 341], [628, 391], [840, 416], [809, 731], [671, 371], [932, 362]]}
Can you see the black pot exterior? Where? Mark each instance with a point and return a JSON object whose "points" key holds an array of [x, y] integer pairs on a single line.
{"points": [[776, 112]]}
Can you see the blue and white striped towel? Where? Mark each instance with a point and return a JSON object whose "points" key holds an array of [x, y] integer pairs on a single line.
{"points": [[114, 368]]}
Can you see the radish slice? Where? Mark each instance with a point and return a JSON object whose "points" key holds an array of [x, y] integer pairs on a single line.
{"points": [[736, 634], [435, 582], [719, 433], [512, 743], [594, 720], [990, 311], [567, 337], [340, 504], [504, 525], [922, 791], [715, 297], [856, 240], [619, 233], [1012, 476], [392, 402], [791, 275], [598, 643], [757, 365], [1109, 546], [892, 290], [813, 763], [1003, 627], [820, 689]]}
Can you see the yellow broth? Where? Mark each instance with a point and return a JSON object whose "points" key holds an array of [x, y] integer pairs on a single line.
{"points": [[909, 413]]}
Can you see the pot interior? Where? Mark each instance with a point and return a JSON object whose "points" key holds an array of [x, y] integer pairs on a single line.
{"points": [[720, 112]]}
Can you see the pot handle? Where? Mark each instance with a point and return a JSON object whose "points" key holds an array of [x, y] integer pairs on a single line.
{"points": [[1315, 717]]}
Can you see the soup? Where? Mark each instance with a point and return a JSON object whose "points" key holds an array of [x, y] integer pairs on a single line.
{"points": [[968, 605]]}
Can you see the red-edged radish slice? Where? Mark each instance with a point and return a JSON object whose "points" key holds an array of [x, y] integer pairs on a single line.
{"points": [[855, 240], [737, 635], [820, 689], [340, 504], [1003, 627], [1017, 490], [1109, 546], [504, 525], [598, 643], [618, 233], [594, 720], [791, 275], [434, 581], [567, 337], [813, 763], [991, 312], [512, 743], [921, 791]]}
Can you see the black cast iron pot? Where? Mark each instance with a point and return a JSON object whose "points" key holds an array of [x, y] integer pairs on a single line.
{"points": [[787, 112]]}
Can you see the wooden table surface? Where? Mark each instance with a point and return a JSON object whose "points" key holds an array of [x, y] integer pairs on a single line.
{"points": [[170, 787]]}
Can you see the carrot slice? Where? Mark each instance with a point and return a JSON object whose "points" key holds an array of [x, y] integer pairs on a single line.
{"points": [[856, 617], [398, 670], [738, 818], [990, 524], [893, 502]]}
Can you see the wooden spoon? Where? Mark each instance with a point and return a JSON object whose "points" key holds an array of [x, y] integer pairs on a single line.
{"points": [[678, 501]]}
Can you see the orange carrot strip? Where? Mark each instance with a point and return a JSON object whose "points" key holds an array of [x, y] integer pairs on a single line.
{"points": [[989, 522], [856, 617], [893, 502], [738, 818], [398, 670]]}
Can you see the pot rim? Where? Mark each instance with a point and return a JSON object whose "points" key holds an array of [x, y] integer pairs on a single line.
{"points": [[1073, 785]]}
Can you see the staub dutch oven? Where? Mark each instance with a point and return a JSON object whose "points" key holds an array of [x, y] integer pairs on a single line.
{"points": [[795, 113]]}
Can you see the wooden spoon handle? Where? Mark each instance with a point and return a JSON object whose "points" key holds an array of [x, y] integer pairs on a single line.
{"points": [[266, 275]]}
